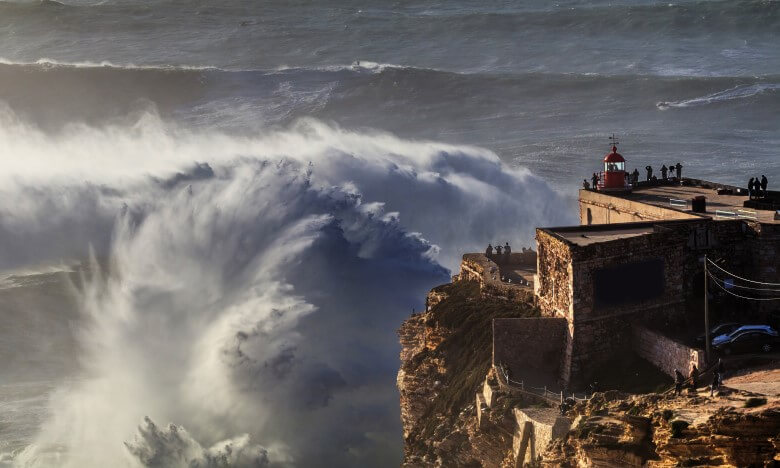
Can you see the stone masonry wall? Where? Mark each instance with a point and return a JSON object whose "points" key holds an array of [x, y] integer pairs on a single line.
{"points": [[602, 332], [663, 352], [552, 284], [765, 256], [589, 259], [765, 248], [477, 267], [531, 349], [597, 334], [602, 208]]}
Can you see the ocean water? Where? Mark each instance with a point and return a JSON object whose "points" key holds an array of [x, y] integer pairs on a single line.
{"points": [[214, 216]]}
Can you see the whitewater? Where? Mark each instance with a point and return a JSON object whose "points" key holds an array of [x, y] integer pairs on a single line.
{"points": [[251, 286], [214, 218]]}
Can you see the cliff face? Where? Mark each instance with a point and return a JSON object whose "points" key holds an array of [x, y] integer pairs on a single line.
{"points": [[445, 358], [455, 413]]}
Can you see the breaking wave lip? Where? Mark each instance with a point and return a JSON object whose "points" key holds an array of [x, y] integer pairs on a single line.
{"points": [[371, 68], [737, 92], [357, 65], [41, 3], [51, 63], [365, 67]]}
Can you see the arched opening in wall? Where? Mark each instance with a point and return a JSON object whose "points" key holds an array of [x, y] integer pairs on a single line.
{"points": [[590, 217]]}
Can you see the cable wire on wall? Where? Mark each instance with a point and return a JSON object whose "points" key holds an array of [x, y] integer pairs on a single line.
{"points": [[740, 278], [718, 280]]}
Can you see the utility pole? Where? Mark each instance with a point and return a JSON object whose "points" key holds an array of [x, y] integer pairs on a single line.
{"points": [[706, 313]]}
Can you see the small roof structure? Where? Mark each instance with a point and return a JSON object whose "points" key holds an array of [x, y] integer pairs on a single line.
{"points": [[614, 156]]}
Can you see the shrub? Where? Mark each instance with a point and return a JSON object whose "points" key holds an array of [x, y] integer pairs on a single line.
{"points": [[667, 414], [752, 402], [678, 426]]}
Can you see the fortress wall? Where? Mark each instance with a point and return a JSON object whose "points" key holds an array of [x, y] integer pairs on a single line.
{"points": [[598, 330], [601, 330], [655, 278], [531, 349], [603, 208], [761, 263], [627, 267], [765, 248], [477, 267], [664, 352], [553, 284], [594, 344]]}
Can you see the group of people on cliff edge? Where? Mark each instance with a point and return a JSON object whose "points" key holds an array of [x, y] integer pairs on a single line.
{"points": [[666, 172], [757, 187], [502, 254]]}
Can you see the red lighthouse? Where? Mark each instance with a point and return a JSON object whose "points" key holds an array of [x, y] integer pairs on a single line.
{"points": [[613, 179]]}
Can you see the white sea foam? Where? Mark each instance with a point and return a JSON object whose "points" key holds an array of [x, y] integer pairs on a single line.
{"points": [[358, 65], [737, 92], [51, 63], [256, 283]]}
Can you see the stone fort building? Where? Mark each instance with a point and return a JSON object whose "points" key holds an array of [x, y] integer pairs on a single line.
{"points": [[631, 275]]}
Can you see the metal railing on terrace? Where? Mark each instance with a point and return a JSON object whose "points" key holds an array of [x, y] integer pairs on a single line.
{"points": [[540, 392], [737, 214]]}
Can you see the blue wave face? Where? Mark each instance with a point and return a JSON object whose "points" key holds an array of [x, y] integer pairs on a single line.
{"points": [[245, 275]]}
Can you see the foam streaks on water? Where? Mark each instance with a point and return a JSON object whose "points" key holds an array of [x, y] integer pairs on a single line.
{"points": [[737, 92]]}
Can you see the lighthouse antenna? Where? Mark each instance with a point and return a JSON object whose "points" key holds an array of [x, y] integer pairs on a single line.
{"points": [[613, 140]]}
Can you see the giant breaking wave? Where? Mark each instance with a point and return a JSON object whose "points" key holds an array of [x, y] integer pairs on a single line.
{"points": [[243, 293]]}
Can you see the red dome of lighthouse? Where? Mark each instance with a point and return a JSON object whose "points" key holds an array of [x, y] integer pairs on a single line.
{"points": [[614, 176], [614, 156]]}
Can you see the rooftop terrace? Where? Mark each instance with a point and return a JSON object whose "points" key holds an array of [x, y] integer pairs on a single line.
{"points": [[719, 206], [585, 236]]}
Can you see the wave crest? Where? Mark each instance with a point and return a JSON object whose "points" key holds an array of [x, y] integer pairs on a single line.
{"points": [[245, 272], [737, 92]]}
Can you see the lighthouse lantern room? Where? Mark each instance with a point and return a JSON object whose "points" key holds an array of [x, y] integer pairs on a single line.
{"points": [[613, 179]]}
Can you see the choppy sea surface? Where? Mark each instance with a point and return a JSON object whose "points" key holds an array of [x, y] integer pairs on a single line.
{"points": [[216, 215]]}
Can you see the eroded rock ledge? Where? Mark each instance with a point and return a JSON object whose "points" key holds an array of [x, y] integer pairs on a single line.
{"points": [[615, 430], [446, 362]]}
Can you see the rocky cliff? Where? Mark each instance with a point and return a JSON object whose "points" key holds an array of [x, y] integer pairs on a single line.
{"points": [[733, 428], [446, 363], [445, 359]]}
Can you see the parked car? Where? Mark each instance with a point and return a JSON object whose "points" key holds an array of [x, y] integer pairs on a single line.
{"points": [[749, 341], [717, 330], [743, 329]]}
